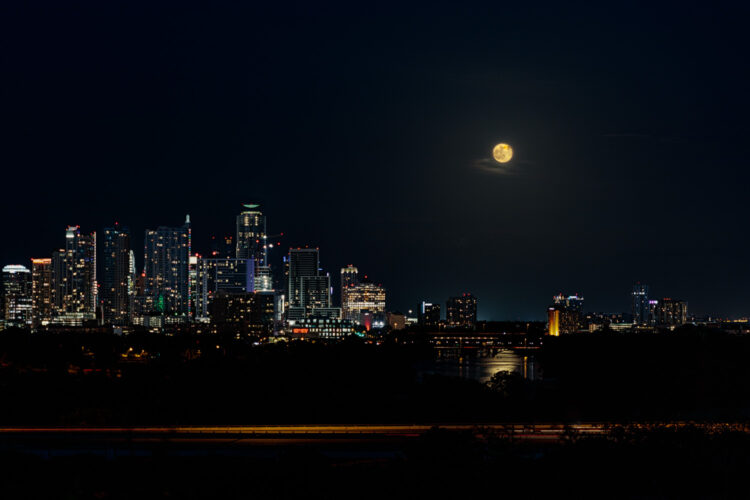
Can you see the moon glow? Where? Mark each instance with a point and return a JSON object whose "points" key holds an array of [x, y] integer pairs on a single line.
{"points": [[502, 153]]}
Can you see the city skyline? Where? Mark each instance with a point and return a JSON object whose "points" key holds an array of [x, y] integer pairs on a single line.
{"points": [[265, 261]]}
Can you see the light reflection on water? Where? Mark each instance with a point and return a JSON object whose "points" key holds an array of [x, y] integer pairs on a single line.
{"points": [[472, 365]]}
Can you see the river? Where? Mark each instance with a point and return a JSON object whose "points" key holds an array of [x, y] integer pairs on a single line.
{"points": [[472, 365]]}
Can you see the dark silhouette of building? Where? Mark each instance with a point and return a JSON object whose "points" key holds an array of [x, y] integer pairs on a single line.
{"points": [[116, 280], [461, 311], [429, 314], [243, 314]]}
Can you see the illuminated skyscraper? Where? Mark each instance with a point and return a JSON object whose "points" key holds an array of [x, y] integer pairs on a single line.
{"points": [[167, 279], [116, 275], [17, 301], [41, 292], [640, 304], [349, 278], [461, 311], [74, 282], [252, 243], [251, 235]]}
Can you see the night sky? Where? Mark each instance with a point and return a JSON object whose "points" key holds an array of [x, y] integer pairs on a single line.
{"points": [[366, 129]]}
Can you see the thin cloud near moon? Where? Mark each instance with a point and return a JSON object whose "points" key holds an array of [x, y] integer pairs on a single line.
{"points": [[491, 166]]}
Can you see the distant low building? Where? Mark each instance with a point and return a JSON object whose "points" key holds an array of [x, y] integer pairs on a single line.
{"points": [[322, 328], [396, 321]]}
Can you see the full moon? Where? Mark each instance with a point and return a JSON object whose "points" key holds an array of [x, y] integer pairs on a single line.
{"points": [[502, 153]]}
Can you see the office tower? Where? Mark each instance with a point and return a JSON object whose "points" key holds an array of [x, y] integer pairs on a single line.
{"points": [[349, 278], [252, 243], [461, 311], [364, 301], [221, 275], [303, 263], [251, 235], [116, 275], [429, 314], [671, 312], [17, 298], [75, 293], [640, 304], [309, 289], [166, 266], [41, 292], [570, 312]]}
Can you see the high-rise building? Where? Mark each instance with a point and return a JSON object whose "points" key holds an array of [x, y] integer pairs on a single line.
{"points": [[640, 304], [116, 275], [252, 243], [349, 278], [221, 275], [167, 255], [251, 235], [553, 320], [75, 293], [364, 299], [17, 299], [429, 314], [671, 312], [41, 292], [309, 289], [569, 317], [461, 311]]}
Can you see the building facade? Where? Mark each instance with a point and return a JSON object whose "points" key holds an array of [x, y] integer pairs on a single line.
{"points": [[569, 317], [221, 275], [116, 275], [167, 273], [429, 314], [671, 312], [75, 292], [461, 311], [17, 296], [365, 303], [242, 314], [41, 292], [309, 289]]}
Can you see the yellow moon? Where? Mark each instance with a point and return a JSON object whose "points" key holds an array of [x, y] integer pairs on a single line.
{"points": [[502, 153]]}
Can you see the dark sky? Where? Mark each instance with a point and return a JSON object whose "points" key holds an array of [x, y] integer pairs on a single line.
{"points": [[366, 129]]}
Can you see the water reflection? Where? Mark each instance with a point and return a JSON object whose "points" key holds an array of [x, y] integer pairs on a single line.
{"points": [[479, 366]]}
